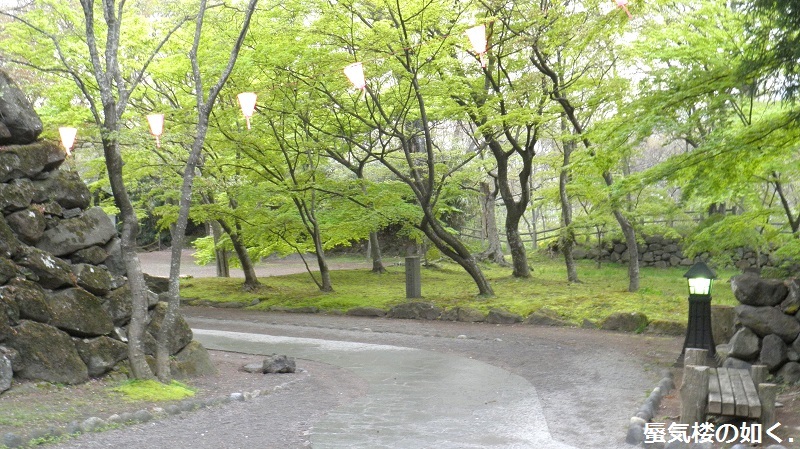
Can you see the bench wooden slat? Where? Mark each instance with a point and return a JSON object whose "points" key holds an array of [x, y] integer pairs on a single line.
{"points": [[726, 389], [714, 394], [751, 393], [742, 405]]}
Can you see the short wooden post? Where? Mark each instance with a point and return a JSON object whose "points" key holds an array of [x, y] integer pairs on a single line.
{"points": [[413, 278], [694, 394], [695, 356], [767, 394], [759, 374]]}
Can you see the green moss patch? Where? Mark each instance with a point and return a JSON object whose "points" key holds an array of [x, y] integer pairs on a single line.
{"points": [[153, 391]]}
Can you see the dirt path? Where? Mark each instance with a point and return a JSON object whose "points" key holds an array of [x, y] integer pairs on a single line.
{"points": [[156, 263]]}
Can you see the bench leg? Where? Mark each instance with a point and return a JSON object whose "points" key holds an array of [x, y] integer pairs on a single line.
{"points": [[767, 394], [694, 394]]}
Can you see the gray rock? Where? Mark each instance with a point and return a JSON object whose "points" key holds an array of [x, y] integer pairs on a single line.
{"points": [[790, 373], [254, 368], [101, 354], [366, 312], [6, 373], [415, 311], [773, 352], [96, 280], [9, 244], [768, 320], [745, 344], [499, 316], [237, 397], [733, 362], [79, 313], [48, 354], [172, 409], [546, 317], [94, 255], [12, 440], [19, 123], [92, 424], [118, 304], [463, 314], [625, 322], [181, 332], [65, 188], [92, 228], [28, 224], [50, 271], [29, 161], [275, 364], [635, 434], [114, 262], [751, 290], [30, 298], [9, 309], [142, 416], [192, 361], [16, 195], [156, 284], [8, 270], [791, 305]]}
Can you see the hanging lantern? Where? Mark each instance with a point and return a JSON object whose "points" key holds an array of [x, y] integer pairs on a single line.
{"points": [[68, 137], [624, 5], [355, 73], [477, 37], [156, 122], [247, 101]]}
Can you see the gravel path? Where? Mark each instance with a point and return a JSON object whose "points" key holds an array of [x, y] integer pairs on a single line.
{"points": [[589, 382]]}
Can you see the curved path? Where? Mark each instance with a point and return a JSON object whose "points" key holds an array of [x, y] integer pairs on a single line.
{"points": [[463, 385], [415, 399]]}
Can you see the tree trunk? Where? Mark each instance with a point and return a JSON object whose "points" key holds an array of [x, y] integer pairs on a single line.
{"points": [[375, 253], [204, 107], [453, 248], [633, 250], [494, 252], [130, 229], [251, 281], [568, 234], [519, 257], [220, 255]]}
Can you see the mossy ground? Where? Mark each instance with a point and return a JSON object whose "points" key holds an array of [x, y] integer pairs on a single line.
{"points": [[151, 390], [603, 290]]}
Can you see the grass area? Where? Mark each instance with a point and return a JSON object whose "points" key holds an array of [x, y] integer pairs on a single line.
{"points": [[662, 296], [153, 391]]}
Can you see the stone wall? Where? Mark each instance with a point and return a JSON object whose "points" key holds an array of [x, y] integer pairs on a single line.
{"points": [[64, 300], [767, 326], [662, 252]]}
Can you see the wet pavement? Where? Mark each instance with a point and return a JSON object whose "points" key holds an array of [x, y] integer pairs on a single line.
{"points": [[416, 398]]}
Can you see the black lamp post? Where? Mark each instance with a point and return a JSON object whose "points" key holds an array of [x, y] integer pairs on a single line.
{"points": [[698, 331]]}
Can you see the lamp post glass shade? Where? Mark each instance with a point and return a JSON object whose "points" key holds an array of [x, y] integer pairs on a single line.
{"points": [[156, 122], [477, 37], [247, 101], [700, 278], [355, 73], [68, 137]]}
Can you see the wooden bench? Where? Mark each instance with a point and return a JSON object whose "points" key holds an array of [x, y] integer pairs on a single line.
{"points": [[730, 392]]}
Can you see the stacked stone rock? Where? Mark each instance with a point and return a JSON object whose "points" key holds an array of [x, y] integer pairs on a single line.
{"points": [[768, 323], [64, 299], [662, 252]]}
